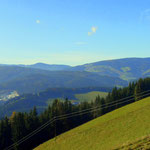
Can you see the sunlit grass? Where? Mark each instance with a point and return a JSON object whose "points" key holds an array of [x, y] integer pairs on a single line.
{"points": [[112, 130], [90, 96], [140, 144]]}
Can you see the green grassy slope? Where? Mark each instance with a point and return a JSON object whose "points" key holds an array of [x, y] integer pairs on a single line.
{"points": [[140, 144], [110, 131], [90, 96]]}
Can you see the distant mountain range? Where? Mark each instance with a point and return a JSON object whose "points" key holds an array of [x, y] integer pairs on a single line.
{"points": [[29, 80], [47, 67], [37, 77], [127, 69]]}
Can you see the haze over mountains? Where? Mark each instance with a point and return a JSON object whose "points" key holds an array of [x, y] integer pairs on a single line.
{"points": [[126, 69], [40, 76], [28, 80], [47, 67]]}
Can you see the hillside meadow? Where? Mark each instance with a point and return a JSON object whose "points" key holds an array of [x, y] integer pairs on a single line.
{"points": [[124, 125], [90, 96]]}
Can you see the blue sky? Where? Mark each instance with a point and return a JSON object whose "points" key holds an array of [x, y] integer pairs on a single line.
{"points": [[73, 32]]}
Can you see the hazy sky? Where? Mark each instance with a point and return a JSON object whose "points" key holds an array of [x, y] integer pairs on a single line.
{"points": [[73, 31]]}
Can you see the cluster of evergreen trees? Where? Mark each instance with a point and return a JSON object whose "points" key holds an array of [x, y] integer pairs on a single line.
{"points": [[19, 125]]}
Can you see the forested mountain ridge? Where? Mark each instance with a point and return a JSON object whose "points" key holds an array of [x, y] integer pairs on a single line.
{"points": [[126, 69], [38, 77], [25, 102], [29, 80]]}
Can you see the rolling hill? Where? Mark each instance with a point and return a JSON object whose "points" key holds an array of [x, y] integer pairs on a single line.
{"points": [[126, 69], [29, 80], [110, 131], [40, 76], [47, 67]]}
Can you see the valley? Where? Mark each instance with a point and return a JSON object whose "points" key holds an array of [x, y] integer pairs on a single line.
{"points": [[40, 94]]}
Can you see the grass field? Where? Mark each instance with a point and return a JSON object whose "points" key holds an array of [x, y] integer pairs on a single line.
{"points": [[124, 125], [140, 144], [90, 96]]}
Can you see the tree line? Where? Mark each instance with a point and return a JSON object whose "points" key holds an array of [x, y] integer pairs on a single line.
{"points": [[18, 125]]}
